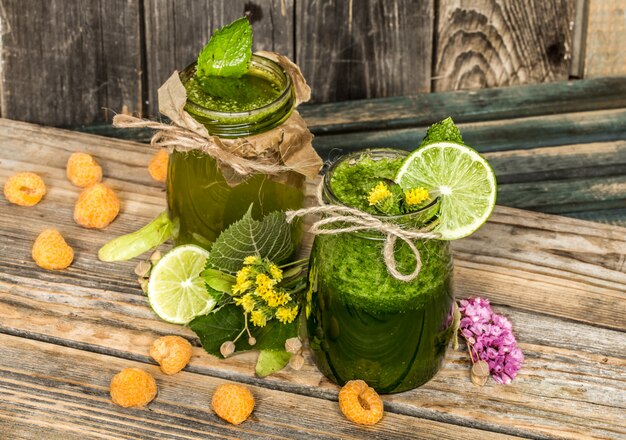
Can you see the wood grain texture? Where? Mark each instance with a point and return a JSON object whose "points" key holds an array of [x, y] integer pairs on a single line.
{"points": [[557, 279], [490, 43], [362, 49], [64, 62], [605, 52], [73, 398], [498, 135], [176, 32]]}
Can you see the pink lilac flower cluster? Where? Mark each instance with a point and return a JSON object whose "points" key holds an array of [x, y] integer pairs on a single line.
{"points": [[491, 339]]}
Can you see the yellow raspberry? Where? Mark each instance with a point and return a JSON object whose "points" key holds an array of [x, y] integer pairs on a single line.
{"points": [[50, 251], [83, 170], [24, 189], [171, 352], [360, 403], [233, 403], [158, 165], [97, 206], [133, 387]]}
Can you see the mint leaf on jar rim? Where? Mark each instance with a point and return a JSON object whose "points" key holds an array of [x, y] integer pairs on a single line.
{"points": [[228, 52]]}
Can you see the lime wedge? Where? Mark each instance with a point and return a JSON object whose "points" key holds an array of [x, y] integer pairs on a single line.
{"points": [[461, 177], [176, 291]]}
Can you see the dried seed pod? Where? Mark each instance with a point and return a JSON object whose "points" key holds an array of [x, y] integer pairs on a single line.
{"points": [[143, 269], [227, 348], [252, 340], [480, 373], [155, 257], [293, 345], [296, 362]]}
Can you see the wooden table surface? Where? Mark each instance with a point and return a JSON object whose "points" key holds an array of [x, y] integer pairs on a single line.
{"points": [[64, 334]]}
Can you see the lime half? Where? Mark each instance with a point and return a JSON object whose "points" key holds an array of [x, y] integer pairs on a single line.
{"points": [[461, 177], [176, 291]]}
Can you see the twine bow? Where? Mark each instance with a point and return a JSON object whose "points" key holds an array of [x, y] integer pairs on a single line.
{"points": [[175, 136], [356, 220]]}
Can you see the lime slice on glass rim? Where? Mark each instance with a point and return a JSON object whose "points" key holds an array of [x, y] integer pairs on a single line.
{"points": [[461, 177], [176, 291]]}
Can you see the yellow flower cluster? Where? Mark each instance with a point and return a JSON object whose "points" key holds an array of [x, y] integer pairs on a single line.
{"points": [[380, 192], [416, 196], [256, 290]]}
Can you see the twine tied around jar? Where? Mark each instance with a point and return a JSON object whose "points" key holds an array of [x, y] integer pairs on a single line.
{"points": [[356, 220], [285, 148]]}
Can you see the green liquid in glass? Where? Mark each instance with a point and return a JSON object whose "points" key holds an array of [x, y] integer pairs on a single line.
{"points": [[231, 95], [204, 204], [362, 322], [199, 199]]}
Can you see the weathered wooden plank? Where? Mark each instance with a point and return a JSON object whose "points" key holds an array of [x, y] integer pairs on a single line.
{"points": [[520, 259], [500, 42], [365, 49], [72, 397], [568, 161], [508, 134], [606, 38], [615, 216], [176, 32], [62, 63], [425, 109], [563, 195]]}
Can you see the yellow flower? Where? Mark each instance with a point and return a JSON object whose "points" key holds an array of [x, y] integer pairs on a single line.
{"points": [[275, 272], [287, 314], [246, 301], [276, 299], [258, 318], [263, 281], [380, 192], [243, 275], [241, 287], [415, 196], [250, 260]]}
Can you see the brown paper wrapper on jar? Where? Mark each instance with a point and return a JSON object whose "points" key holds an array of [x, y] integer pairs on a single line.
{"points": [[278, 152]]}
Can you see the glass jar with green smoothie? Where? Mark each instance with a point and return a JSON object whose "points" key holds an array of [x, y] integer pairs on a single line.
{"points": [[362, 322], [200, 198]]}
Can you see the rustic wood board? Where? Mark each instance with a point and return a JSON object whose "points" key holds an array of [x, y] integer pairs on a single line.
{"points": [[490, 43], [364, 49], [65, 63], [561, 281], [604, 53]]}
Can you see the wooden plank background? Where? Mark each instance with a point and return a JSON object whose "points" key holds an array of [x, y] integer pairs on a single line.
{"points": [[73, 63]]}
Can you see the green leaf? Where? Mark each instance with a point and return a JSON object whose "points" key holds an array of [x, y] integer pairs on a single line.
{"points": [[226, 323], [269, 238], [216, 328], [220, 281], [229, 51], [271, 361], [445, 130]]}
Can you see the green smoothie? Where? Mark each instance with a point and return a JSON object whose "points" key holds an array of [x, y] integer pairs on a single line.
{"points": [[199, 198], [362, 322]]}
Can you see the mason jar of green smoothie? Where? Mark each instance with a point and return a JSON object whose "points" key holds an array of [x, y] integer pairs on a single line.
{"points": [[362, 322], [201, 200]]}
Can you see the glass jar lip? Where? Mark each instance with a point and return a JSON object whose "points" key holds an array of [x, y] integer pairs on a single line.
{"points": [[258, 61], [373, 151]]}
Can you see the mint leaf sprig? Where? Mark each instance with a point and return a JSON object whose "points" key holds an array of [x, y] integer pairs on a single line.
{"points": [[228, 52]]}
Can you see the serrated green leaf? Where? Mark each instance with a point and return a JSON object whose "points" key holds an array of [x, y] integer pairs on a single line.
{"points": [[220, 281], [229, 51], [271, 361], [226, 323], [269, 238], [444, 130]]}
